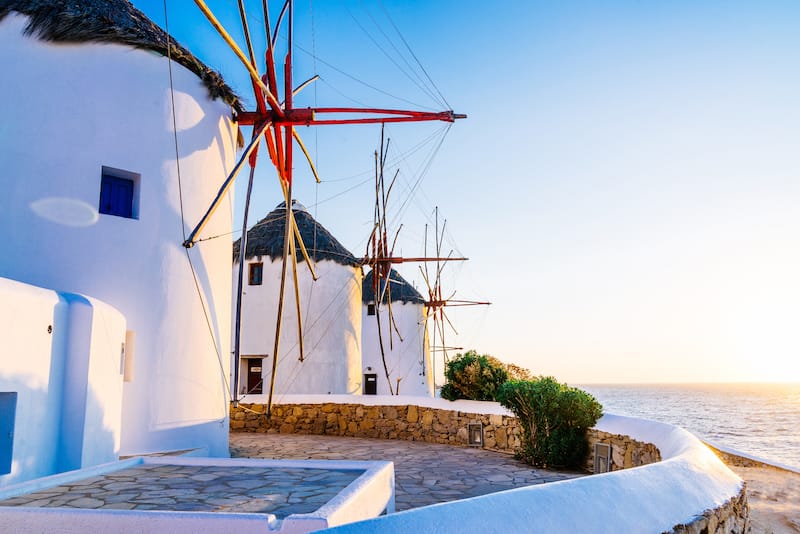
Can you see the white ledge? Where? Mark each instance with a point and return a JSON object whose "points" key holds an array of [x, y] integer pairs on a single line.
{"points": [[653, 498]]}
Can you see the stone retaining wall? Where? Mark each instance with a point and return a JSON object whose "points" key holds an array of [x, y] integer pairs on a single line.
{"points": [[416, 423], [626, 452], [733, 517]]}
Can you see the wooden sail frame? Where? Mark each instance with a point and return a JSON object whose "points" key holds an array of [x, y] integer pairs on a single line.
{"points": [[380, 258], [436, 303], [274, 122]]}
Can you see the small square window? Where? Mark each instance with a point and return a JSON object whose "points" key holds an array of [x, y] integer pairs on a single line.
{"points": [[256, 274], [118, 193], [370, 309]]}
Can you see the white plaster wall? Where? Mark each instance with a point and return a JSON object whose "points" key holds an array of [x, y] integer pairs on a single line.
{"points": [[331, 309], [77, 108], [68, 381], [91, 404], [409, 359], [31, 362], [103, 411]]}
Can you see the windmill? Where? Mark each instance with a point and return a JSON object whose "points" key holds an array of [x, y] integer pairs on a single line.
{"points": [[436, 302], [380, 258], [274, 121]]}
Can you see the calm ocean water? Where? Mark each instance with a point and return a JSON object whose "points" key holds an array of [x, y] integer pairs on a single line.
{"points": [[760, 419]]}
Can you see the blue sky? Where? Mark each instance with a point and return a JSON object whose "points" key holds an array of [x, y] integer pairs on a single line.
{"points": [[626, 185]]}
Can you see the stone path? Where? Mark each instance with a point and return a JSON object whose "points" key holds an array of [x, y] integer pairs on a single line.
{"points": [[425, 473], [280, 491]]}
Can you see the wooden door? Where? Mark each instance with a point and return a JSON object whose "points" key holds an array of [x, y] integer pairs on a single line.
{"points": [[255, 383], [370, 384]]}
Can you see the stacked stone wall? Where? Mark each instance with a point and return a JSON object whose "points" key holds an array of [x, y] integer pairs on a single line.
{"points": [[417, 423], [733, 517], [626, 452]]}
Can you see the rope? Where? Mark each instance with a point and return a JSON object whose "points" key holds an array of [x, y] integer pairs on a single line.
{"points": [[424, 89], [413, 54], [223, 374]]}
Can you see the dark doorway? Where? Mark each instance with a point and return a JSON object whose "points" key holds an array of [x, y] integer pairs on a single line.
{"points": [[255, 384], [370, 384], [8, 413]]}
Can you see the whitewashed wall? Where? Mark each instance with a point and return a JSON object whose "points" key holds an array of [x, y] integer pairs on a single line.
{"points": [[61, 353], [409, 359], [71, 110], [331, 328]]}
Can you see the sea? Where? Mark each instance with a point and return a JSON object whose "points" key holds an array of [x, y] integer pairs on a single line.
{"points": [[759, 420]]}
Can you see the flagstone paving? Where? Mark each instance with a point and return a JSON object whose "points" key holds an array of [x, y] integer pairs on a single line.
{"points": [[279, 491], [425, 473]]}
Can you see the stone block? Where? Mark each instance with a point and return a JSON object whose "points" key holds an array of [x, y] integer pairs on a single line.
{"points": [[367, 424], [413, 415], [501, 438], [427, 418]]}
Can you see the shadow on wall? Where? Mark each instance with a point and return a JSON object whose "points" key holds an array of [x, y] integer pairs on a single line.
{"points": [[38, 433], [56, 350]]}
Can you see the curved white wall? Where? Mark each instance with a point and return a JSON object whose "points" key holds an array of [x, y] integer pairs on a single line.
{"points": [[72, 109], [331, 328], [653, 498], [61, 354], [409, 359]]}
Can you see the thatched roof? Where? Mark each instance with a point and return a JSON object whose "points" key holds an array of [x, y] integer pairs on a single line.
{"points": [[266, 237], [110, 21], [401, 290]]}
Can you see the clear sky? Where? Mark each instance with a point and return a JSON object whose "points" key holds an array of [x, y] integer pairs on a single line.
{"points": [[627, 185]]}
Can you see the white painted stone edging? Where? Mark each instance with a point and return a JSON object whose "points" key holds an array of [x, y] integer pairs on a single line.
{"points": [[365, 497]]}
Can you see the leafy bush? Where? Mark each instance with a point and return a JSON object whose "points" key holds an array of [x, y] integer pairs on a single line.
{"points": [[473, 376], [554, 419], [515, 372]]}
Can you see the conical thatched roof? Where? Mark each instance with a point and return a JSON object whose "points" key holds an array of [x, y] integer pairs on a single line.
{"points": [[266, 237], [110, 21], [401, 290]]}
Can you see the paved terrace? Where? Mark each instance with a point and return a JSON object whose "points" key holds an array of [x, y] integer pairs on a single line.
{"points": [[425, 473], [281, 491]]}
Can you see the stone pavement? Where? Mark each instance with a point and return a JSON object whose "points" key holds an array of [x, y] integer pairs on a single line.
{"points": [[280, 491], [425, 473]]}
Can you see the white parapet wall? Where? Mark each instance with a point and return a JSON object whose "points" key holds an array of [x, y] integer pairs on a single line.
{"points": [[62, 355], [653, 498]]}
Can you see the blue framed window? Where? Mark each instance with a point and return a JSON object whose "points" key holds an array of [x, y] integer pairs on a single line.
{"points": [[256, 274], [118, 193]]}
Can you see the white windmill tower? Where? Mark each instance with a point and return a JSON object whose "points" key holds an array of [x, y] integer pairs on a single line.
{"points": [[330, 361], [114, 141]]}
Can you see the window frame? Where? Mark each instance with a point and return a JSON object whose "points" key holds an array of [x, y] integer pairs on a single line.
{"points": [[255, 273], [110, 178]]}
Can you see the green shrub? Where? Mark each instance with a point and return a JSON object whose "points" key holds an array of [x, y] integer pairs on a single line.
{"points": [[554, 419], [473, 376]]}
